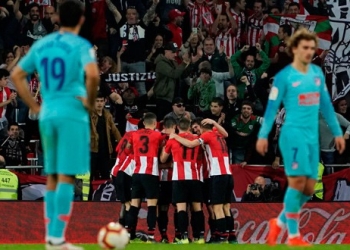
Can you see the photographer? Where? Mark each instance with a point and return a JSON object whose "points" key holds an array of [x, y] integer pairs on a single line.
{"points": [[260, 192]]}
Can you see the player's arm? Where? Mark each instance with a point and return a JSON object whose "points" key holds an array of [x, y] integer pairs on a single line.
{"points": [[185, 142], [275, 98], [166, 152], [220, 129], [327, 109], [19, 77]]}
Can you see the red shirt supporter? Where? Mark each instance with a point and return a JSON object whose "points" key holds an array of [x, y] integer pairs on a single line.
{"points": [[200, 13], [145, 144], [98, 13], [4, 96], [217, 153], [185, 159], [124, 161], [175, 21]]}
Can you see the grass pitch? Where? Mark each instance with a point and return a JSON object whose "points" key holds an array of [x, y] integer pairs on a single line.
{"points": [[185, 247]]}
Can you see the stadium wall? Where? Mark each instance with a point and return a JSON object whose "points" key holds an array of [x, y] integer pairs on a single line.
{"points": [[321, 223]]}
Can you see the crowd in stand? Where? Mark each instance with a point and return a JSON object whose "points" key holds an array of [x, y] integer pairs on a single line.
{"points": [[210, 58]]}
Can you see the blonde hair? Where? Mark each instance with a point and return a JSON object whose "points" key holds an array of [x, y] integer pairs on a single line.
{"points": [[113, 68], [300, 34]]}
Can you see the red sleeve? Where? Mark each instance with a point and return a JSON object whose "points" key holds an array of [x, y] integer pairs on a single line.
{"points": [[168, 146], [205, 137]]}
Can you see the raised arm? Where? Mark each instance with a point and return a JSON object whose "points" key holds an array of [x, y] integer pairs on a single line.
{"points": [[150, 13], [114, 10]]}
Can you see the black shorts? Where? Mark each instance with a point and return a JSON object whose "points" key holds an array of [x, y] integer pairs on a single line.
{"points": [[221, 187], [122, 184], [145, 185], [187, 191], [206, 190], [165, 192]]}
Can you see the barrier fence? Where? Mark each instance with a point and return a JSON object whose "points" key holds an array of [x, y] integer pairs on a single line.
{"points": [[320, 223]]}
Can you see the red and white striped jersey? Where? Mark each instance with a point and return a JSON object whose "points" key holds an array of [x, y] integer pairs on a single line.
{"points": [[185, 159], [217, 153], [166, 174], [241, 21], [255, 29], [4, 96], [226, 39], [146, 144], [127, 166], [123, 162], [200, 14]]}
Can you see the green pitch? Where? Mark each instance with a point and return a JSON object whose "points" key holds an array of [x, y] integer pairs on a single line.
{"points": [[186, 247]]}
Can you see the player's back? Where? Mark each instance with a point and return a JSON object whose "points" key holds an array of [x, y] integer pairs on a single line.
{"points": [[216, 152], [301, 97], [146, 144], [60, 60], [185, 159]]}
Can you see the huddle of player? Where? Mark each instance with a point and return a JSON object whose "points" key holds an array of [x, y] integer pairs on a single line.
{"points": [[184, 169]]}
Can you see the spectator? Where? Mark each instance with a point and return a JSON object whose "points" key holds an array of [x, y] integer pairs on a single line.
{"points": [[164, 8], [176, 18], [132, 33], [102, 128], [219, 78], [215, 113], [33, 28], [293, 8], [255, 191], [217, 60], [237, 12], [253, 74], [7, 98], [255, 23], [193, 42], [200, 13], [13, 148], [224, 29], [11, 58], [157, 49], [320, 10], [233, 104], [203, 90], [179, 111], [168, 73], [243, 133]]}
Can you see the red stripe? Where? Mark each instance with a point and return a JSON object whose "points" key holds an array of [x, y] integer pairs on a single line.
{"points": [[294, 216]]}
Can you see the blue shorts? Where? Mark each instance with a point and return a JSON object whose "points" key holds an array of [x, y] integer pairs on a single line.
{"points": [[300, 157], [66, 146]]}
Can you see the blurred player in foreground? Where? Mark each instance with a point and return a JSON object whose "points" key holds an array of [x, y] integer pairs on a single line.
{"points": [[61, 60], [301, 86]]}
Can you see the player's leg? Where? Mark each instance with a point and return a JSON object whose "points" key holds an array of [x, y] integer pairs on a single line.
{"points": [[217, 199], [211, 217], [150, 184], [163, 208], [69, 164], [179, 197], [228, 213], [197, 216], [48, 138], [136, 196]]}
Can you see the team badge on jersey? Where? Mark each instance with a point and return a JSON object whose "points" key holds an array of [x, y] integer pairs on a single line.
{"points": [[317, 81], [273, 94]]}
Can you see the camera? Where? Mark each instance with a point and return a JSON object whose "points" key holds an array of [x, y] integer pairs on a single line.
{"points": [[255, 186]]}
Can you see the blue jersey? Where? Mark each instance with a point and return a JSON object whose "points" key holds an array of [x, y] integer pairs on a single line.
{"points": [[60, 60], [303, 96]]}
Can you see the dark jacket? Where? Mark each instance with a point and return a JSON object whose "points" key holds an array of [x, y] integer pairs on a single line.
{"points": [[167, 74]]}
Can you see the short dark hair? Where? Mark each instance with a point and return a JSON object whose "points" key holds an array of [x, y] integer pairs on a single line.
{"points": [[4, 73], [169, 122], [247, 103], [218, 100], [197, 120], [32, 5], [207, 126], [100, 95], [286, 29], [294, 4], [12, 124], [70, 12], [263, 3], [149, 118], [184, 124]]}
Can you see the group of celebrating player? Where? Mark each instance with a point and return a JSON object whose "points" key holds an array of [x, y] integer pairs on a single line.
{"points": [[183, 169]]}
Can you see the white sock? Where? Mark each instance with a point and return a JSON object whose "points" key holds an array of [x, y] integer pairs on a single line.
{"points": [[56, 240]]}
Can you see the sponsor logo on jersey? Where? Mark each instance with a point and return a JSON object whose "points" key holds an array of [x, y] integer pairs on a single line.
{"points": [[309, 99]]}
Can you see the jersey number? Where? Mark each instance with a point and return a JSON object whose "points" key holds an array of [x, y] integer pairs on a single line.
{"points": [[188, 152], [145, 140], [6, 180], [222, 144], [54, 68]]}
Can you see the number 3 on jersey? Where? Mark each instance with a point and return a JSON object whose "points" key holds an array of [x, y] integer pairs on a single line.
{"points": [[145, 140], [54, 69]]}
